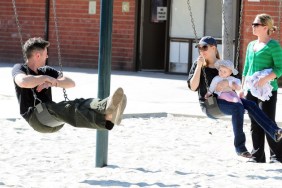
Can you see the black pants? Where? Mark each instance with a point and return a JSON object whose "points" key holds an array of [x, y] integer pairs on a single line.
{"points": [[258, 134], [77, 113]]}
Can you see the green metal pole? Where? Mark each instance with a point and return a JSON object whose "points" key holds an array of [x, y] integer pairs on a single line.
{"points": [[104, 74]]}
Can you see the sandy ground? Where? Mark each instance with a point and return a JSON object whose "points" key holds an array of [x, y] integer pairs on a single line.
{"points": [[154, 149], [169, 151]]}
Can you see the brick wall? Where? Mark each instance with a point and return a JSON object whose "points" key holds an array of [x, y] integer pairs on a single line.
{"points": [[251, 9], [10, 49], [78, 32]]}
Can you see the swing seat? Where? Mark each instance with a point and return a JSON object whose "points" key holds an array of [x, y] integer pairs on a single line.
{"points": [[44, 117], [212, 108]]}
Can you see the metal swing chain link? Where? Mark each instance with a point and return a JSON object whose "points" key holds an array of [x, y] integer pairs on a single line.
{"points": [[19, 29], [58, 45], [57, 38], [196, 38], [192, 21], [206, 79], [22, 46], [239, 36]]}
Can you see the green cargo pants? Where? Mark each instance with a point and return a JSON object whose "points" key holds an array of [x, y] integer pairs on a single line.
{"points": [[76, 113]]}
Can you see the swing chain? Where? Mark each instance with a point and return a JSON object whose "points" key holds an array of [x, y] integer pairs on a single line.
{"points": [[19, 29], [58, 46], [196, 38], [57, 38], [192, 21], [239, 36], [22, 46], [206, 79]]}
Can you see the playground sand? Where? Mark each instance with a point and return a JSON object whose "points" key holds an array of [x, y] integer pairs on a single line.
{"points": [[154, 149], [169, 151]]}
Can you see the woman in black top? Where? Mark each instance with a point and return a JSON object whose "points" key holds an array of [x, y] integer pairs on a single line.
{"points": [[196, 82]]}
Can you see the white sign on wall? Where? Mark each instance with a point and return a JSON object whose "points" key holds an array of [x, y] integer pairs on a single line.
{"points": [[92, 7], [161, 13]]}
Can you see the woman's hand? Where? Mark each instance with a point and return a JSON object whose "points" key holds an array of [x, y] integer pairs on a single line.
{"points": [[261, 82], [207, 95], [201, 61]]}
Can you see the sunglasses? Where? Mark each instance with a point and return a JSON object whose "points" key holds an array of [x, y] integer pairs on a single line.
{"points": [[257, 24], [203, 48]]}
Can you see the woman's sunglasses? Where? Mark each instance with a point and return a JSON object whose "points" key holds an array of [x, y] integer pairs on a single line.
{"points": [[257, 24], [203, 48]]}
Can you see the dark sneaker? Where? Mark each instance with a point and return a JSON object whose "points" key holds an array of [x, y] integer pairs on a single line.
{"points": [[278, 135], [245, 154], [117, 114], [274, 160]]}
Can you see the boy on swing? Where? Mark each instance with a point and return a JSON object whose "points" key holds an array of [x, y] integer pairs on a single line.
{"points": [[33, 81]]}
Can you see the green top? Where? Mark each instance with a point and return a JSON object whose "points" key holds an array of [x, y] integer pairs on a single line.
{"points": [[269, 56]]}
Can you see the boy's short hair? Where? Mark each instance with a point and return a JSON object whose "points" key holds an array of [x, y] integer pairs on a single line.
{"points": [[33, 44]]}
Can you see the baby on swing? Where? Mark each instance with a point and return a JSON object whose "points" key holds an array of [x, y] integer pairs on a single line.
{"points": [[225, 71]]}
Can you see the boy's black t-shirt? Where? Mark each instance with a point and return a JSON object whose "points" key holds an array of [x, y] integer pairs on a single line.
{"points": [[25, 96]]}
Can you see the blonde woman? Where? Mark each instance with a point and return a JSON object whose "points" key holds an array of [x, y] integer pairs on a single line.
{"points": [[264, 53]]}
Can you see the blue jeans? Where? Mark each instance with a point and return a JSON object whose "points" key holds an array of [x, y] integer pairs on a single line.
{"points": [[236, 110]]}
